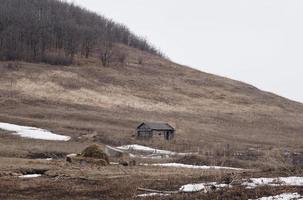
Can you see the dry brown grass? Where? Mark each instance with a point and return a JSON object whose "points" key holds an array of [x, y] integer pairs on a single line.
{"points": [[204, 108], [110, 101], [104, 104], [62, 180], [226, 122]]}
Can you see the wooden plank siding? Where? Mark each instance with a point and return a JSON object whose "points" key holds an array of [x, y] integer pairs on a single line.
{"points": [[157, 130]]}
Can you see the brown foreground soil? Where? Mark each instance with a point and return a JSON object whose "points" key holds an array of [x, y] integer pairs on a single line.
{"points": [[62, 180]]}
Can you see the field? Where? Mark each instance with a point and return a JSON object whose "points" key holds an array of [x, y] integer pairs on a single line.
{"points": [[222, 121], [62, 180]]}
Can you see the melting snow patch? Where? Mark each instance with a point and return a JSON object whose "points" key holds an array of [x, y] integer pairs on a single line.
{"points": [[179, 165], [136, 147], [284, 196], [71, 155], [193, 188], [151, 195], [205, 187], [154, 152], [47, 159], [30, 176], [280, 181], [190, 188], [34, 133]]}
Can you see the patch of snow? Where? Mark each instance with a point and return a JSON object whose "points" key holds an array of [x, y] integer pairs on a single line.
{"points": [[152, 194], [280, 181], [47, 159], [205, 187], [179, 165], [136, 147], [190, 188], [32, 132], [30, 176], [71, 155], [145, 149], [132, 155], [284, 196], [222, 185], [193, 188]]}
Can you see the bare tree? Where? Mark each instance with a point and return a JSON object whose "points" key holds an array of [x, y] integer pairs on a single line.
{"points": [[106, 52], [36, 30]]}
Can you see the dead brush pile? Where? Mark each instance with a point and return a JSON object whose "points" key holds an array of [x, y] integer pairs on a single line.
{"points": [[93, 155], [94, 151]]}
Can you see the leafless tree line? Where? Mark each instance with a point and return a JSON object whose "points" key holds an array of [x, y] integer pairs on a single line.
{"points": [[54, 31]]}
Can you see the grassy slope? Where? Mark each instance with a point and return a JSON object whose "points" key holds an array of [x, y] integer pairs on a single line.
{"points": [[106, 103]]}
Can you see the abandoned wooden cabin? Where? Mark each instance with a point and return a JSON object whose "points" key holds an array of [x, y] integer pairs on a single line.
{"points": [[148, 130]]}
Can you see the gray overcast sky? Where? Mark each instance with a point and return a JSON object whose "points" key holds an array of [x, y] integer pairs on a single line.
{"points": [[256, 41]]}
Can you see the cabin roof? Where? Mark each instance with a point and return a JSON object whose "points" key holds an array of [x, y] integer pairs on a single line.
{"points": [[157, 126]]}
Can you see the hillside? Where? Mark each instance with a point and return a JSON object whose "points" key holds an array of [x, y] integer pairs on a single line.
{"points": [[106, 104], [74, 86]]}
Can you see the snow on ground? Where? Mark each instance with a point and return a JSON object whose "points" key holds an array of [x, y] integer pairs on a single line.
{"points": [[280, 181], [179, 165], [47, 159], [205, 187], [145, 149], [193, 188], [32, 132], [252, 183], [158, 154], [30, 176], [189, 188], [152, 156], [151, 195], [136, 147], [71, 155], [284, 196]]}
